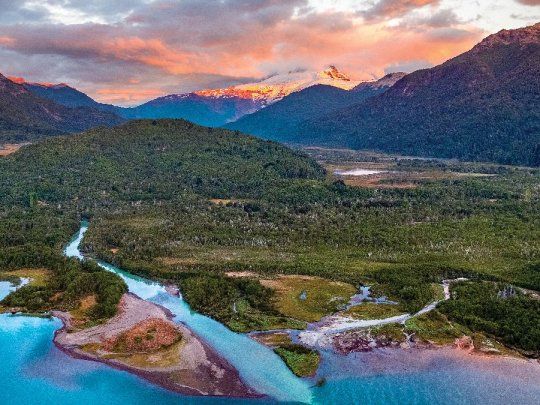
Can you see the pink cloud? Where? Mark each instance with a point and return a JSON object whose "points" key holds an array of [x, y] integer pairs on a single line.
{"points": [[6, 41], [529, 2], [127, 95], [171, 47], [395, 8]]}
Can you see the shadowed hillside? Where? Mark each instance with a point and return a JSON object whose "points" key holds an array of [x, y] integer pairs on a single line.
{"points": [[25, 116], [482, 105]]}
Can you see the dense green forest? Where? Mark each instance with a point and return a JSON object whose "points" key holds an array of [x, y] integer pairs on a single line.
{"points": [[174, 201], [49, 187]]}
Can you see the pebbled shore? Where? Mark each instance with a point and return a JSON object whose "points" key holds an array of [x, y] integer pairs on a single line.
{"points": [[194, 368]]}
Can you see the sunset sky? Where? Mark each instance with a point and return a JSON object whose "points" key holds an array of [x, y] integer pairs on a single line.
{"points": [[128, 51]]}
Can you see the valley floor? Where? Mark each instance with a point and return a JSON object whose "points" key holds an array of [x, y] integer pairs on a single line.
{"points": [[283, 251]]}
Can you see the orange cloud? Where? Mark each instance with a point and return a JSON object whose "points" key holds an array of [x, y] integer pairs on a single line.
{"points": [[198, 43], [125, 95], [151, 52], [395, 8], [363, 50], [6, 41]]}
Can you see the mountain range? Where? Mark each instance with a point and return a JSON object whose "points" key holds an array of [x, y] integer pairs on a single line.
{"points": [[281, 118], [60, 93], [214, 107], [25, 116], [481, 105], [217, 107]]}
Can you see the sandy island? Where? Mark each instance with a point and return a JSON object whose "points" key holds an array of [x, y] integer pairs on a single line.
{"points": [[143, 340]]}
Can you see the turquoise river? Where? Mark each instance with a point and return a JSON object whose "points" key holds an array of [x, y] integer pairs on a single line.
{"points": [[34, 371]]}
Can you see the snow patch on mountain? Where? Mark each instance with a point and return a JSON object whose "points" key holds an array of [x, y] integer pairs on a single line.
{"points": [[276, 87]]}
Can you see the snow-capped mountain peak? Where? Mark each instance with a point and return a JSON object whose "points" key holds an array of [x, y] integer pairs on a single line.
{"points": [[276, 87], [333, 73]]}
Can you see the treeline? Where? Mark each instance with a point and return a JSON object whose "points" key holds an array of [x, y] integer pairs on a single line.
{"points": [[219, 296], [70, 281], [412, 285], [514, 319]]}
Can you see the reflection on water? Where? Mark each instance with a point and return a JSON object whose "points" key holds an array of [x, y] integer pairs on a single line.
{"points": [[5, 289], [358, 172]]}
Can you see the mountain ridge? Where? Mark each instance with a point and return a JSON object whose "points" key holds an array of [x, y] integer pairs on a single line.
{"points": [[24, 116], [278, 119], [210, 107], [217, 107], [481, 105]]}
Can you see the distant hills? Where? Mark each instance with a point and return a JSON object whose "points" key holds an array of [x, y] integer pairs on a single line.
{"points": [[217, 107], [201, 109], [204, 110], [25, 116], [481, 105], [214, 107], [280, 119], [60, 93]]}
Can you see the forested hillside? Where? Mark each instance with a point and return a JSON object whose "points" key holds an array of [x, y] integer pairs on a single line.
{"points": [[150, 160], [482, 105]]}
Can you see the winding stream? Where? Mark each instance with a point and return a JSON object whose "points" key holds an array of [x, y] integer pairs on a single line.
{"points": [[258, 365]]}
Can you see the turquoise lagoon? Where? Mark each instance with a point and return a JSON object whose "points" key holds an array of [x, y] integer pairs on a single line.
{"points": [[34, 371]]}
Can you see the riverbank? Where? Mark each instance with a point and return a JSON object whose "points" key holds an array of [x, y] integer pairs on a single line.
{"points": [[356, 368], [188, 366]]}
